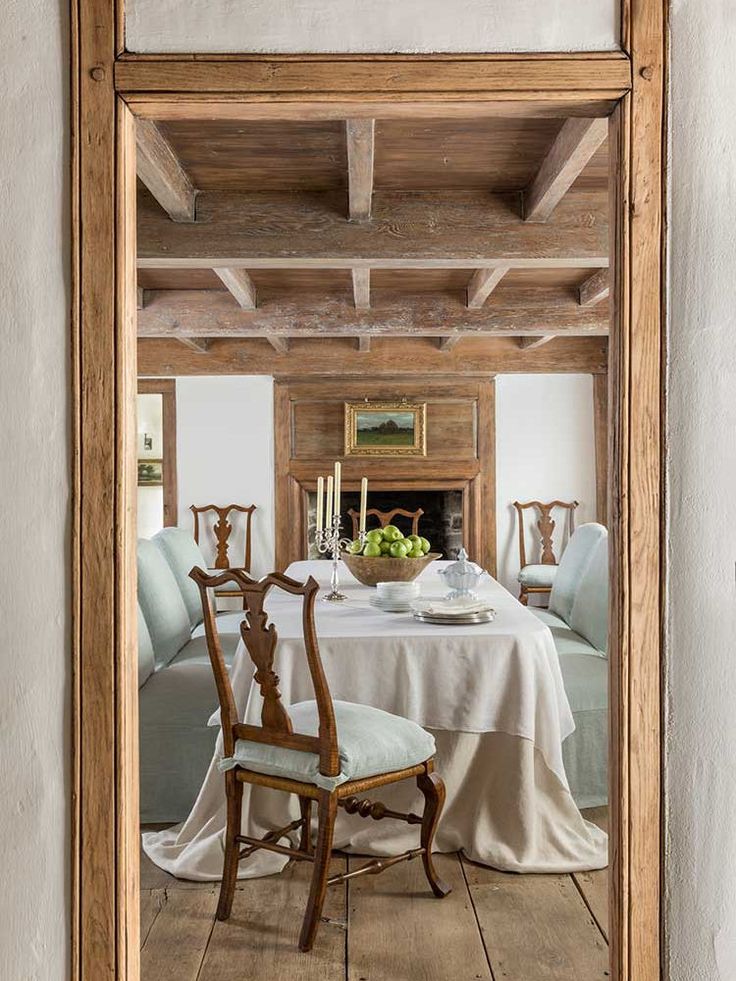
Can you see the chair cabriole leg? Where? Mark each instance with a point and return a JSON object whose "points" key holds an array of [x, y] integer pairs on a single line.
{"points": [[234, 793], [327, 810], [433, 789]]}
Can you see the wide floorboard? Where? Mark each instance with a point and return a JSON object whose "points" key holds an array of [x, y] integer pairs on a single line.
{"points": [[492, 926]]}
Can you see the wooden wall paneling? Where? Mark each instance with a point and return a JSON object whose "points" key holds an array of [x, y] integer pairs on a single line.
{"points": [[282, 453], [166, 388], [600, 427], [487, 453]]}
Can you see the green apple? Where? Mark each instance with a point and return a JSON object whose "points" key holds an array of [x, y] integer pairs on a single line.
{"points": [[391, 533], [425, 546], [398, 550], [372, 550], [385, 548], [414, 539], [355, 548], [416, 553], [375, 536]]}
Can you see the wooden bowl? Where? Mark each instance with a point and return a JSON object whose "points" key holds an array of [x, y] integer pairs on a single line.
{"points": [[382, 568]]}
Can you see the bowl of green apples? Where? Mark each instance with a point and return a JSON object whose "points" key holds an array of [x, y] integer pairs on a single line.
{"points": [[387, 556]]}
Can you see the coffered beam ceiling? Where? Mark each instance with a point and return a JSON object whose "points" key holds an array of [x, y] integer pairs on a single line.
{"points": [[240, 285], [595, 289], [482, 284], [576, 143], [159, 168]]}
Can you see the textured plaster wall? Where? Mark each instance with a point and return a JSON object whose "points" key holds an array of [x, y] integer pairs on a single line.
{"points": [[378, 25], [701, 618], [34, 490]]}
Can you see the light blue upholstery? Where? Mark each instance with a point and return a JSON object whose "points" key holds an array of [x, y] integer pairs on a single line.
{"points": [[572, 566], [162, 603], [176, 744], [585, 751], [146, 662], [182, 554], [370, 741], [546, 616], [538, 575], [589, 615]]}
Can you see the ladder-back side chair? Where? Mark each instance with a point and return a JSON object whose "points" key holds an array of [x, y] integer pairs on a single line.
{"points": [[387, 517], [318, 750], [222, 529], [538, 578]]}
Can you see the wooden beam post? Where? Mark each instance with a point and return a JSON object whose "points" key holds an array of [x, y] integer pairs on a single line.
{"points": [[278, 343], [159, 169], [199, 344], [447, 343], [360, 134], [482, 284], [594, 289], [600, 423], [240, 285], [527, 343], [576, 143], [364, 343], [361, 288]]}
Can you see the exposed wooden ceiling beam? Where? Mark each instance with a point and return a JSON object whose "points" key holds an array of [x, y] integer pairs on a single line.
{"points": [[141, 297], [453, 229], [361, 288], [239, 283], [159, 168], [482, 284], [364, 343], [199, 344], [528, 343], [576, 143], [339, 357], [360, 135], [212, 313], [447, 343], [595, 289]]}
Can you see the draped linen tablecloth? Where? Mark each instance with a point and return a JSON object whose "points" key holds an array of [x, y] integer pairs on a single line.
{"points": [[492, 696]]}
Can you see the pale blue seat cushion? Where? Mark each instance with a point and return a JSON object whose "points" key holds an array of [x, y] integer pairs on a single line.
{"points": [[162, 603], [569, 642], [146, 661], [572, 566], [182, 554], [547, 616], [538, 575], [585, 751], [589, 615], [370, 742]]}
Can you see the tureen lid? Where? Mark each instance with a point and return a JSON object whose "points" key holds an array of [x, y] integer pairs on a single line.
{"points": [[463, 566]]}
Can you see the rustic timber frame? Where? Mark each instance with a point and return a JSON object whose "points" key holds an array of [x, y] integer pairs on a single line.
{"points": [[110, 88]]}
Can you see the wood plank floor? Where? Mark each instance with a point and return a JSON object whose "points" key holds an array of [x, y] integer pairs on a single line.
{"points": [[492, 926]]}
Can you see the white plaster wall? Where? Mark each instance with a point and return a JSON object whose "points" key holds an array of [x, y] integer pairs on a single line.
{"points": [[701, 619], [224, 448], [545, 450], [35, 628], [150, 499], [375, 26]]}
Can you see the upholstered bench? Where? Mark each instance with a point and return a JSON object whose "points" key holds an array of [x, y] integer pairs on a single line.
{"points": [[578, 619], [177, 691]]}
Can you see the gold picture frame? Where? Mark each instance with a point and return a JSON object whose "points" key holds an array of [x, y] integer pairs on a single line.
{"points": [[385, 429]]}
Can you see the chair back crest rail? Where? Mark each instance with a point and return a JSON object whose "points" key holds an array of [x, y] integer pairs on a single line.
{"points": [[386, 517], [222, 530], [260, 638], [545, 525]]}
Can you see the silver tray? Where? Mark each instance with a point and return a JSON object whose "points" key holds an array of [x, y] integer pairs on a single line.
{"points": [[464, 621]]}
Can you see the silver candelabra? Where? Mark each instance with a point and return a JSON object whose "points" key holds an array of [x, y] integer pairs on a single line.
{"points": [[329, 540]]}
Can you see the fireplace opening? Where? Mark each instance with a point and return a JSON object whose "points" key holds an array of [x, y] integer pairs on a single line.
{"points": [[441, 523]]}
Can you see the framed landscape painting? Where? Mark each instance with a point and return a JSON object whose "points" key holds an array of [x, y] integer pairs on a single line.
{"points": [[150, 473], [385, 429]]}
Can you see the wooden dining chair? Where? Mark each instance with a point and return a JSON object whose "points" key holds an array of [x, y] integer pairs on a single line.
{"points": [[536, 578], [222, 529], [387, 517], [319, 750]]}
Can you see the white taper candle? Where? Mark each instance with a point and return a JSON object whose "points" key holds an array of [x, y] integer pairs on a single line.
{"points": [[320, 502], [338, 483], [328, 503], [363, 502]]}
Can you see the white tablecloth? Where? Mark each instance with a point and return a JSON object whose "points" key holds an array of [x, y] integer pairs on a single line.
{"points": [[492, 695]]}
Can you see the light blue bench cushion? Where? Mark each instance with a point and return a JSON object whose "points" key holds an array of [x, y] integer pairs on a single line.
{"points": [[162, 603], [146, 662], [370, 741], [547, 616], [589, 615], [572, 566], [538, 575], [174, 707], [585, 751], [182, 554]]}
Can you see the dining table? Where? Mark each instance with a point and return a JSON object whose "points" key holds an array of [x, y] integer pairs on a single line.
{"points": [[491, 694]]}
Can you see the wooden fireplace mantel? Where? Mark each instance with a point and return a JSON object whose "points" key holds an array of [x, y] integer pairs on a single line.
{"points": [[308, 430]]}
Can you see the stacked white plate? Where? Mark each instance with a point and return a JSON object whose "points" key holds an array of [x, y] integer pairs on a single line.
{"points": [[453, 611], [395, 597]]}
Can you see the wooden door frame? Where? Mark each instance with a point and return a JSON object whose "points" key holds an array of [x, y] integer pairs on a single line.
{"points": [[166, 388], [107, 87]]}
